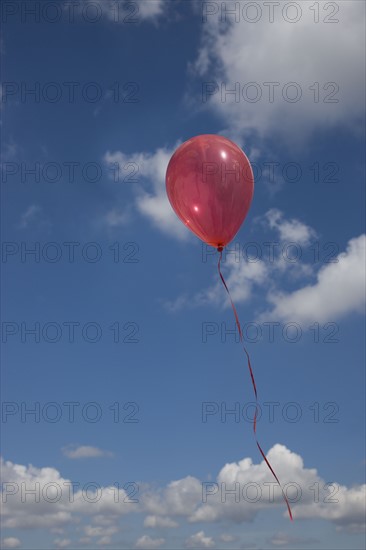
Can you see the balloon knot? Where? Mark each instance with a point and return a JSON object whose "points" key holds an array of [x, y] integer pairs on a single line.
{"points": [[220, 248]]}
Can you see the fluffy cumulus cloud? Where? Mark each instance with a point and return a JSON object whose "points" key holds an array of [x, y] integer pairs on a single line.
{"points": [[62, 543], [273, 58], [176, 499], [41, 498], [149, 543], [151, 201], [338, 291], [280, 540], [243, 489], [10, 542], [254, 489], [85, 451], [159, 521], [199, 540], [100, 530], [240, 491]]}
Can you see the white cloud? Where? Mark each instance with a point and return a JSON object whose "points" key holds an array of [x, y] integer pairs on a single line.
{"points": [[282, 52], [244, 272], [62, 543], [347, 512], [151, 9], [58, 505], [225, 537], [285, 255], [85, 451], [199, 540], [152, 203], [257, 490], [106, 539], [10, 542], [284, 539], [347, 508], [85, 540], [103, 520], [187, 498], [99, 531], [117, 217], [179, 498], [24, 512], [241, 277], [149, 543], [292, 230], [159, 521], [338, 291]]}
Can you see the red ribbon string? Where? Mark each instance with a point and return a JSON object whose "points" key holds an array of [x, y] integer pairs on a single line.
{"points": [[253, 383]]}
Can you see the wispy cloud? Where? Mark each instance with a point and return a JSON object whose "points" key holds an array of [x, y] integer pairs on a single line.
{"points": [[85, 451], [117, 217], [199, 540], [282, 539], [339, 290], [147, 176], [147, 542], [241, 278], [10, 542], [159, 521], [245, 274], [10, 150], [291, 230], [62, 543], [31, 215]]}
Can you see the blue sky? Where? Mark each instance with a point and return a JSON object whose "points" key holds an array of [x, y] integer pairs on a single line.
{"points": [[131, 329]]}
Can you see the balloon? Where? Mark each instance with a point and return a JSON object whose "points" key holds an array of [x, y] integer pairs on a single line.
{"points": [[210, 186]]}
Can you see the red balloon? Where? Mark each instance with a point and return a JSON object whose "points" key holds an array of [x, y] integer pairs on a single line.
{"points": [[210, 186]]}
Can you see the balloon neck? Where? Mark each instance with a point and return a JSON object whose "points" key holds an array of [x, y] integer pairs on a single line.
{"points": [[220, 248]]}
